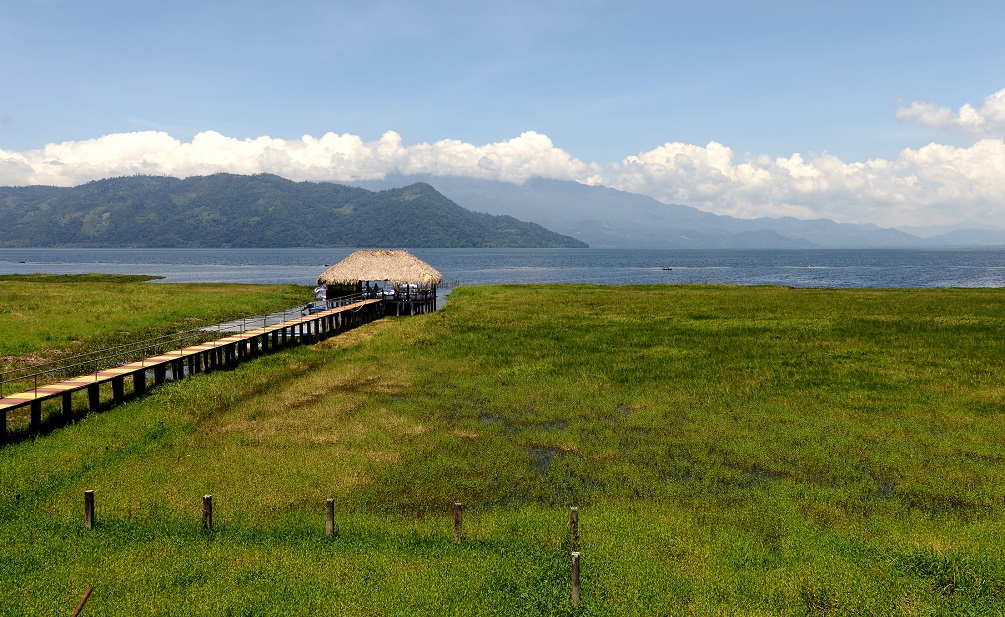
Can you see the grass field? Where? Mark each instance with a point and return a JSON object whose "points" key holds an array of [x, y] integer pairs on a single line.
{"points": [[732, 450], [43, 316]]}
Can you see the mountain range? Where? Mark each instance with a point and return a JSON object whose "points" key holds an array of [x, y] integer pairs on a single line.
{"points": [[604, 217], [226, 210]]}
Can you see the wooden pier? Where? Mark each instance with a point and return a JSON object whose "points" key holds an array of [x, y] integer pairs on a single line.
{"points": [[206, 357]]}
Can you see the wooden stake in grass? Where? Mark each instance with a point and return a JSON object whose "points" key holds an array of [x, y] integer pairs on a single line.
{"points": [[574, 524], [83, 600], [89, 509], [207, 512], [458, 515], [330, 518], [575, 578]]}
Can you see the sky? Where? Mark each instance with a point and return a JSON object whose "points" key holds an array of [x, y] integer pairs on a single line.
{"points": [[884, 112]]}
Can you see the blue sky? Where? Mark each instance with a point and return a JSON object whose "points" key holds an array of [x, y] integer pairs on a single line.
{"points": [[597, 82]]}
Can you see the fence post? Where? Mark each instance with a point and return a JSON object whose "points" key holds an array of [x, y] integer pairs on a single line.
{"points": [[575, 578], [207, 512], [574, 524], [330, 518], [89, 509], [458, 514]]}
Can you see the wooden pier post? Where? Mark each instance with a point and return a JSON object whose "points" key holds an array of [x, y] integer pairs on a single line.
{"points": [[89, 509], [67, 405], [3, 427], [159, 375], [36, 418], [118, 389], [93, 397], [574, 524], [330, 518], [207, 512], [140, 382]]}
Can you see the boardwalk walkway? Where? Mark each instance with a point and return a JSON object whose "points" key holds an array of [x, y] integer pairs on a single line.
{"points": [[206, 357]]}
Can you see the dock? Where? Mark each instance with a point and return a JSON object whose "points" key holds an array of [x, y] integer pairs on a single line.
{"points": [[174, 365]]}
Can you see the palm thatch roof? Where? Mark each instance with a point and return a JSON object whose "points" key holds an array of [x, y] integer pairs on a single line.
{"points": [[396, 267]]}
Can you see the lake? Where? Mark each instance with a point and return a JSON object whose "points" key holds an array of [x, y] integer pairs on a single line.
{"points": [[796, 268]]}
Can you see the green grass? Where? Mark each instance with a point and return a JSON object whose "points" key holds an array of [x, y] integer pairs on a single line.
{"points": [[47, 316], [732, 450]]}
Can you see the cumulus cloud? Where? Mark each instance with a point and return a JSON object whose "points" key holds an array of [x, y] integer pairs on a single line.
{"points": [[331, 157], [930, 185], [986, 121]]}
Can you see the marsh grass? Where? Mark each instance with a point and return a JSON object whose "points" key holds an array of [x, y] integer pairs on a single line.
{"points": [[741, 451], [47, 316]]}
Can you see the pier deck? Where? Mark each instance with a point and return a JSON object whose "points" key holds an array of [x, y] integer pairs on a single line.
{"points": [[205, 357]]}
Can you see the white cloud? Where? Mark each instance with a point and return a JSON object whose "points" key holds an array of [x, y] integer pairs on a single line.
{"points": [[986, 121], [930, 185], [330, 157]]}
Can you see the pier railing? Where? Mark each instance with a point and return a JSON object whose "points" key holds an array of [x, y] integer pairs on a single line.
{"points": [[40, 374]]}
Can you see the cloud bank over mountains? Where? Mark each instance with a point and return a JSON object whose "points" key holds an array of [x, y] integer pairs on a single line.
{"points": [[935, 184]]}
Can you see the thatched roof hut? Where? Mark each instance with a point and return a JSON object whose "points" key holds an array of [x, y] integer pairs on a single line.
{"points": [[395, 267]]}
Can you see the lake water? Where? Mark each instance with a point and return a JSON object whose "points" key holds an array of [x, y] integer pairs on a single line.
{"points": [[795, 268]]}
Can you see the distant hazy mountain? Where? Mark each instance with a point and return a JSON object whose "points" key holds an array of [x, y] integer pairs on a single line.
{"points": [[967, 233], [967, 238], [226, 210], [604, 217]]}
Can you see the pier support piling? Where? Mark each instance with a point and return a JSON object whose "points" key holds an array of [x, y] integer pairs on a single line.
{"points": [[93, 397], [67, 405], [36, 418], [118, 389], [140, 382]]}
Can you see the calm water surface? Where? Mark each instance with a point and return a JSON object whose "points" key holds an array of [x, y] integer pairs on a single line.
{"points": [[802, 268]]}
